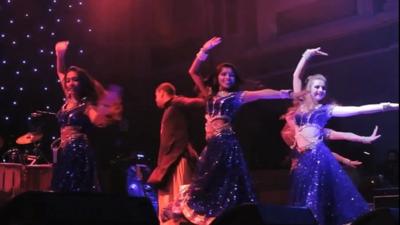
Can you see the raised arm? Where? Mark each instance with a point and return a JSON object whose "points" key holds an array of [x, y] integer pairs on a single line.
{"points": [[249, 96], [60, 49], [299, 71], [200, 58], [345, 111], [348, 136]]}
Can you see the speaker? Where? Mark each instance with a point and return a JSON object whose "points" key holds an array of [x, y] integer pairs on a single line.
{"points": [[49, 208], [256, 214], [386, 216]]}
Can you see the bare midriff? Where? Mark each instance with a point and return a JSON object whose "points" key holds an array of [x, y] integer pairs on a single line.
{"points": [[307, 137], [216, 126], [70, 132]]}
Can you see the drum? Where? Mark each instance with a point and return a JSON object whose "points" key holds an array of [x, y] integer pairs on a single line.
{"points": [[38, 177], [11, 179], [13, 155], [16, 178]]}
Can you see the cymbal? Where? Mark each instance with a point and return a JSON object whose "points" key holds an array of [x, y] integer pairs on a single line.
{"points": [[29, 138]]}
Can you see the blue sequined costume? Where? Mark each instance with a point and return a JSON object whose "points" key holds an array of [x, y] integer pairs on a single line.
{"points": [[222, 180], [318, 180], [75, 167]]}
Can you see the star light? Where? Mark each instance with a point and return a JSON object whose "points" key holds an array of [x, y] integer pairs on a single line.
{"points": [[27, 38]]}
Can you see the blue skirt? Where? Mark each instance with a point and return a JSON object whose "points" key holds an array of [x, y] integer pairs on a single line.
{"points": [[75, 168], [319, 183], [222, 180]]}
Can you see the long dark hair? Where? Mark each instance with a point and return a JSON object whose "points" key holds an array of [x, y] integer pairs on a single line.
{"points": [[212, 81], [89, 89]]}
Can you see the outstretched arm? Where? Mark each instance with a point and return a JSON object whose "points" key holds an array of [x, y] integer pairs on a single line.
{"points": [[346, 161], [60, 49], [249, 96], [200, 58], [345, 111], [339, 158], [190, 102], [338, 135], [299, 71]]}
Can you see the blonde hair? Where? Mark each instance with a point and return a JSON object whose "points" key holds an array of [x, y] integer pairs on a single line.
{"points": [[314, 77], [299, 99]]}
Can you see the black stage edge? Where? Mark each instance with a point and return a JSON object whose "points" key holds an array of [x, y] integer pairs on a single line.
{"points": [[49, 208], [257, 214], [380, 216]]}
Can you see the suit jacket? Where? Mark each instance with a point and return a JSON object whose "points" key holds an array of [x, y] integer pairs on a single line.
{"points": [[174, 137]]}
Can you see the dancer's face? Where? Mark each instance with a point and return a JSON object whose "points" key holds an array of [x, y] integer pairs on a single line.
{"points": [[318, 89], [226, 78], [72, 83]]}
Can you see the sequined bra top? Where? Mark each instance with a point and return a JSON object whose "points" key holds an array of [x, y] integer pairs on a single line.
{"points": [[309, 131], [220, 111], [74, 117]]}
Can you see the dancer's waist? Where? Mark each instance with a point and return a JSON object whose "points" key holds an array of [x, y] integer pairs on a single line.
{"points": [[70, 133], [218, 127], [308, 138]]}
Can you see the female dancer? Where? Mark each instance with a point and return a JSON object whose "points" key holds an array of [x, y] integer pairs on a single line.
{"points": [[221, 180], [318, 181], [86, 104], [329, 134]]}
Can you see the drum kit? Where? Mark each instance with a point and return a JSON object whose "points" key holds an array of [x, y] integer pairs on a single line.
{"points": [[28, 153]]}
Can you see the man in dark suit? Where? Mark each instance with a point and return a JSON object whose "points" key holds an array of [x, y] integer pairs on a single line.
{"points": [[176, 156]]}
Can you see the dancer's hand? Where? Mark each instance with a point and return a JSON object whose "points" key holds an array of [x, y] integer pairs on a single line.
{"points": [[389, 106], [353, 164], [373, 137], [210, 44], [313, 52], [61, 47]]}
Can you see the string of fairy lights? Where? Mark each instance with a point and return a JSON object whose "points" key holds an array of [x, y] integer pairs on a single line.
{"points": [[28, 31]]}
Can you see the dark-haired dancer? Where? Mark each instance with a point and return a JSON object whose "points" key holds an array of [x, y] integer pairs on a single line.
{"points": [[87, 104], [221, 180], [318, 181]]}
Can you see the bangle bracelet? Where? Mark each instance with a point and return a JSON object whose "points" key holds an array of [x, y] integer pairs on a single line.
{"points": [[286, 93], [385, 106]]}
